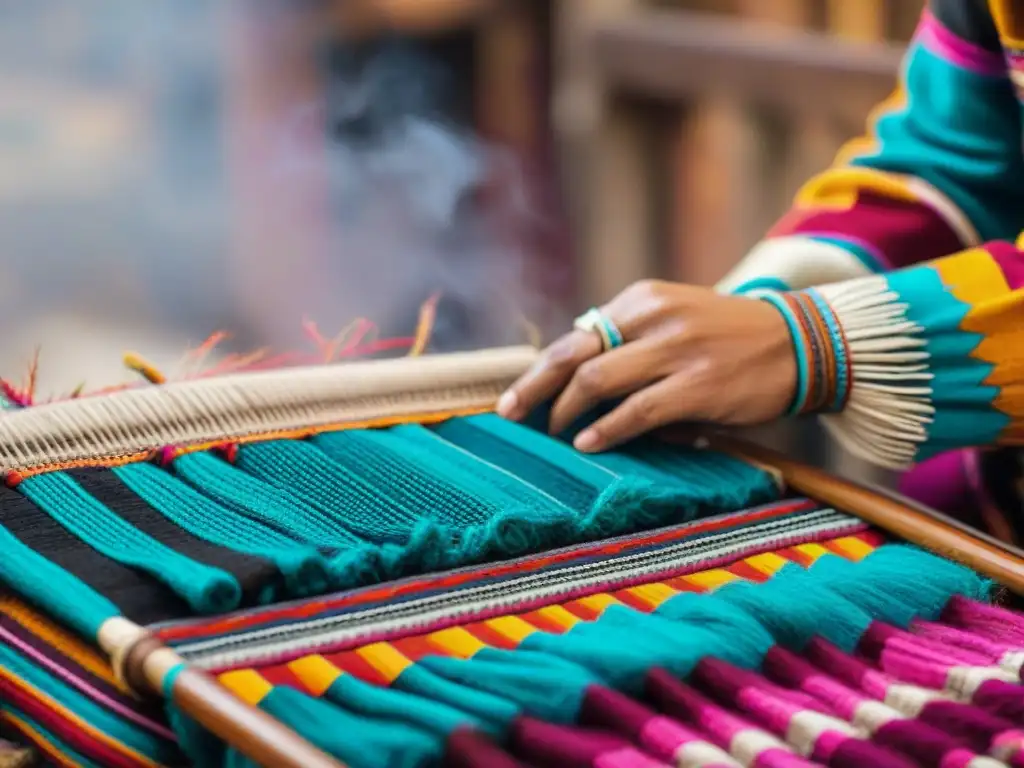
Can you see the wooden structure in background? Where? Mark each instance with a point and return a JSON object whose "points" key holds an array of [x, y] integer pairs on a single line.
{"points": [[693, 122]]}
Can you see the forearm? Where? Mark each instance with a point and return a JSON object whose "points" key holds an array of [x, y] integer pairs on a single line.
{"points": [[932, 354]]}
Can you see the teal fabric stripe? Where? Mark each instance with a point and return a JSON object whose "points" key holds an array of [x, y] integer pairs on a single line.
{"points": [[59, 593], [963, 403], [762, 284], [551, 689], [102, 719], [408, 482], [266, 503], [530, 443], [302, 469], [621, 495], [376, 701], [360, 742], [439, 452], [561, 474], [207, 590], [59, 745], [304, 569], [494, 713], [713, 481], [477, 519], [961, 132]]}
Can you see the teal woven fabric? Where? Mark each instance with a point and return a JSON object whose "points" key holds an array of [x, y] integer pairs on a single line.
{"points": [[305, 570], [204, 588]]}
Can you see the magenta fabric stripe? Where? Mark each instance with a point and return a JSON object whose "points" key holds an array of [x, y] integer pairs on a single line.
{"points": [[659, 736], [1010, 261], [897, 233], [728, 731], [957, 51]]}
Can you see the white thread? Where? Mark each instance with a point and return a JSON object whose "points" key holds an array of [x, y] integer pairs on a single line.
{"points": [[872, 715], [964, 681], [1012, 662], [807, 726], [748, 744], [911, 699], [698, 754]]}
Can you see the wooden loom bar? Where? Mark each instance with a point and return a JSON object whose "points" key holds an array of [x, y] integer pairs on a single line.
{"points": [[149, 668], [901, 517]]}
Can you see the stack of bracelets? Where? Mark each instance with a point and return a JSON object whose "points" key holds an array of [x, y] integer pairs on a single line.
{"points": [[824, 374]]}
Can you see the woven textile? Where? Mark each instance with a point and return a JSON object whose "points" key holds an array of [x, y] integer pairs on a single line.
{"points": [[475, 593]]}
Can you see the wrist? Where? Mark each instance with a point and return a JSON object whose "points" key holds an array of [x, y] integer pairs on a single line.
{"points": [[822, 354]]}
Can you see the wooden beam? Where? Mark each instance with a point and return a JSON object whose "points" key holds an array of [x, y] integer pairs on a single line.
{"points": [[676, 56], [862, 21], [606, 146]]}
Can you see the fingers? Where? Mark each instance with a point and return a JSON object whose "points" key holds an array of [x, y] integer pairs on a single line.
{"points": [[550, 374], [607, 376], [656, 406]]}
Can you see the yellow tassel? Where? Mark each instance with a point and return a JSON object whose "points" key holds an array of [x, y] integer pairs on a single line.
{"points": [[144, 368], [428, 314]]}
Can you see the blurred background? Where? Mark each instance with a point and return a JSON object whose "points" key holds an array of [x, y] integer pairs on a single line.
{"points": [[171, 168]]}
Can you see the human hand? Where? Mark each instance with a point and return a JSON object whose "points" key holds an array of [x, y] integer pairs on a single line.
{"points": [[689, 354]]}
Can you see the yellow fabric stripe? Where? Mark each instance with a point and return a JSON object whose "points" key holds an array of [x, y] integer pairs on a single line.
{"points": [[837, 189], [813, 551], [598, 603], [457, 642], [386, 659], [78, 722], [315, 672], [853, 548], [768, 562], [511, 627], [976, 279], [247, 684], [1008, 22], [556, 614], [653, 594], [712, 579], [60, 640]]}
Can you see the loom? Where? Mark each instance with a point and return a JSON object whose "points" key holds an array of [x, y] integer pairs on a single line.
{"points": [[361, 565]]}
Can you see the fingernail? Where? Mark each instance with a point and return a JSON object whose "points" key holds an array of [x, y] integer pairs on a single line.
{"points": [[507, 404], [587, 440]]}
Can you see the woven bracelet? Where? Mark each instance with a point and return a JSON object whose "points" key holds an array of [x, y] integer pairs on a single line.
{"points": [[822, 357]]}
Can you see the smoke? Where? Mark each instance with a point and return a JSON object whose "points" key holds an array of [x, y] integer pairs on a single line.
{"points": [[418, 204], [166, 168]]}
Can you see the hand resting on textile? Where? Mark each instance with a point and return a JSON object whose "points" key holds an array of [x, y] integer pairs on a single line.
{"points": [[688, 354]]}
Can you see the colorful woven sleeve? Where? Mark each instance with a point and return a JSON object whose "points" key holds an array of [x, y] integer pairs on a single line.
{"points": [[939, 171], [919, 360]]}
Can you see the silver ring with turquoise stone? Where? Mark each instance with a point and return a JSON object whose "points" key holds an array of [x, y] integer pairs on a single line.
{"points": [[594, 321]]}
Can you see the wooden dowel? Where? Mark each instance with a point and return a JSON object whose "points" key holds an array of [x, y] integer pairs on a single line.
{"points": [[903, 518], [149, 665]]}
